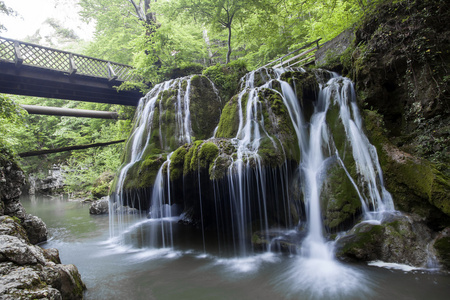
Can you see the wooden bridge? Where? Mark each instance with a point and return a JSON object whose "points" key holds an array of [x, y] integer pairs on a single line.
{"points": [[33, 70]]}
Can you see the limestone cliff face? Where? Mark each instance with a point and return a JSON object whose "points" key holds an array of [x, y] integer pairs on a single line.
{"points": [[28, 271], [400, 69]]}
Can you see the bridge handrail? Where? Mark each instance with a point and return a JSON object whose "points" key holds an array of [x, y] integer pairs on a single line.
{"points": [[294, 58], [19, 52]]}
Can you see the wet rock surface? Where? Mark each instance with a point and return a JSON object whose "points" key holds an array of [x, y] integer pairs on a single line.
{"points": [[99, 207], [398, 239], [27, 271]]}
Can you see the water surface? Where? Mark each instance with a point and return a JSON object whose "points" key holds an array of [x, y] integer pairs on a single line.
{"points": [[188, 272]]}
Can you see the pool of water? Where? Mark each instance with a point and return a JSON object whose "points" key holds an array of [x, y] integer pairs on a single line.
{"points": [[187, 271]]}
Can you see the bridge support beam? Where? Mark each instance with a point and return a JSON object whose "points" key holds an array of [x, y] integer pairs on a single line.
{"points": [[39, 82], [69, 112]]}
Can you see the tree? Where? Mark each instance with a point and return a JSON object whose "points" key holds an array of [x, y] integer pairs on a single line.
{"points": [[217, 13]]}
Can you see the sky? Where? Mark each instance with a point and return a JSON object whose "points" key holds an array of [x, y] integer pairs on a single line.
{"points": [[32, 13]]}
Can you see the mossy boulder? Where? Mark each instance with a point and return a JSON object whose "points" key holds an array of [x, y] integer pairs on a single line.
{"points": [[229, 119], [399, 239], [205, 107], [340, 202], [227, 78], [143, 173], [102, 185], [177, 162]]}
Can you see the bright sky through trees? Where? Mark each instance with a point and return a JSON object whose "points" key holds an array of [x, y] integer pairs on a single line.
{"points": [[32, 13]]}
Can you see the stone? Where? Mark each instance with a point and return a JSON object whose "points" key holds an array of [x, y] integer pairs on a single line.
{"points": [[16, 250], [28, 271], [9, 226], [35, 228], [100, 207], [399, 239], [442, 248]]}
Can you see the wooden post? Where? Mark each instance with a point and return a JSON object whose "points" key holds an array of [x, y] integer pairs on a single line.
{"points": [[111, 74], [17, 54], [73, 67]]}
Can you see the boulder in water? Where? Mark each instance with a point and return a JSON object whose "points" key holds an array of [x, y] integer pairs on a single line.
{"points": [[399, 239], [99, 207]]}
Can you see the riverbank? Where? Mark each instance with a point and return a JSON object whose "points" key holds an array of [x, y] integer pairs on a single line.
{"points": [[28, 271]]}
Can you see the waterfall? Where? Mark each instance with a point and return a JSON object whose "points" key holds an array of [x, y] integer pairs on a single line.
{"points": [[253, 195], [137, 145]]}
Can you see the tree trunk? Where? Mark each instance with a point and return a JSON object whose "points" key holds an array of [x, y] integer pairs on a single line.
{"points": [[229, 44], [208, 46], [70, 148]]}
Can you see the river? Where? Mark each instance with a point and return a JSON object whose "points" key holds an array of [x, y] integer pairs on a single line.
{"points": [[188, 272]]}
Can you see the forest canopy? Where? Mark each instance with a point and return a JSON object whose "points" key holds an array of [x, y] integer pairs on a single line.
{"points": [[167, 34]]}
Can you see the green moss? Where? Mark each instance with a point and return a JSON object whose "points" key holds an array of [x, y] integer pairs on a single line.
{"points": [[207, 154], [270, 153], [366, 236], [195, 79], [100, 190], [229, 120], [220, 167], [177, 162], [205, 108], [340, 201], [442, 246], [226, 77], [422, 179], [191, 158], [278, 123], [143, 173]]}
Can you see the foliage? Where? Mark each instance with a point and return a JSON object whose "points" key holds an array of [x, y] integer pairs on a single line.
{"points": [[182, 32], [5, 10], [11, 119], [226, 77], [37, 132]]}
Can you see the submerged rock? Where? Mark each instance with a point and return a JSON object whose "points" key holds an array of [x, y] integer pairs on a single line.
{"points": [[278, 241]]}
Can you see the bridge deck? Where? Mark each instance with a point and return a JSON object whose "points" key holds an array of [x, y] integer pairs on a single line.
{"points": [[33, 70]]}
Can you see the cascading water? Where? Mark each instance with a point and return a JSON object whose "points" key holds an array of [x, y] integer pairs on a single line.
{"points": [[253, 194], [138, 143]]}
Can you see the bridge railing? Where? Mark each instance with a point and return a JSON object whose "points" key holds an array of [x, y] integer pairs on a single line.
{"points": [[21, 53], [293, 59]]}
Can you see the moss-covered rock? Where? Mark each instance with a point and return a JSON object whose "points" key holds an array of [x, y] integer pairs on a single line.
{"points": [[102, 185], [341, 205], [143, 173], [398, 239], [226, 78], [416, 185], [177, 162], [229, 119], [207, 154], [205, 107], [442, 248]]}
